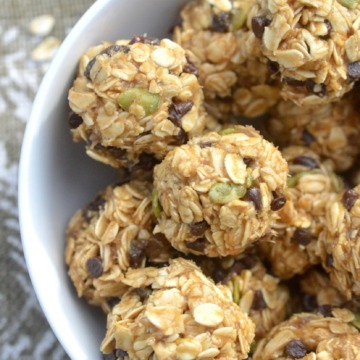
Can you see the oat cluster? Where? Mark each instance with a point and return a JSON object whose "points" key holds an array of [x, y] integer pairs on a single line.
{"points": [[233, 231]]}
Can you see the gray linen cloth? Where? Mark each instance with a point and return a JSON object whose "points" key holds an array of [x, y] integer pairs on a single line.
{"points": [[24, 331]]}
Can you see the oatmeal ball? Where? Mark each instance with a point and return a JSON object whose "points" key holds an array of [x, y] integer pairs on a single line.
{"points": [[261, 296], [339, 244], [177, 313], [216, 194], [314, 43], [135, 100], [331, 130], [311, 336], [110, 235], [292, 248], [236, 77]]}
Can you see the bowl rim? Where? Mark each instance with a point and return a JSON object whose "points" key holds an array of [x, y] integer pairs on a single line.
{"points": [[31, 129]]}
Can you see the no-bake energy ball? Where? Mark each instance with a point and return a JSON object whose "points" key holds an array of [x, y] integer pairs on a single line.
{"points": [[339, 245], [135, 100], [292, 248], [331, 130], [216, 194], [312, 336], [237, 78], [110, 235], [176, 313], [314, 43]]}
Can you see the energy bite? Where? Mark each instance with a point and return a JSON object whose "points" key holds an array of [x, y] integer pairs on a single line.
{"points": [[311, 336], [110, 235], [176, 313], [216, 194], [331, 130], [314, 43], [312, 184], [339, 245], [135, 100], [236, 77], [261, 296]]}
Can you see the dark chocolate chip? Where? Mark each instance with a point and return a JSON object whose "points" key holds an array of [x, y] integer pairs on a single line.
{"points": [[112, 301], [143, 293], [329, 260], [247, 161], [307, 138], [349, 198], [325, 310], [178, 109], [317, 89], [116, 152], [329, 29], [258, 24], [278, 202], [254, 195], [296, 349], [309, 302], [120, 353], [155, 246], [197, 245], [199, 228], [274, 67], [294, 82], [144, 39], [206, 144], [136, 256], [259, 302], [306, 161], [75, 120], [88, 68], [109, 357], [94, 267], [302, 236], [182, 137], [146, 162], [221, 22], [353, 70], [190, 68]]}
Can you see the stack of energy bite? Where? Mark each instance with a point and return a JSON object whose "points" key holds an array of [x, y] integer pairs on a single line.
{"points": [[222, 241]]}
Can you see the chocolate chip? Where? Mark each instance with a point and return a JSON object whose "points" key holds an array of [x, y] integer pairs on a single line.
{"points": [[349, 198], [112, 301], [254, 195], [109, 357], [221, 22], [143, 293], [309, 302], [302, 236], [156, 246], [146, 162], [317, 89], [274, 67], [197, 245], [296, 349], [278, 202], [306, 161], [75, 120], [329, 29], [325, 310], [294, 82], [178, 109], [207, 144], [182, 137], [109, 51], [136, 255], [307, 138], [120, 353], [247, 161], [94, 267], [112, 150], [144, 39], [199, 228], [258, 24], [190, 68], [329, 260], [353, 70], [259, 302]]}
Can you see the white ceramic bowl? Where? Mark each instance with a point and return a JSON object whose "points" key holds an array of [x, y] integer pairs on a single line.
{"points": [[56, 177]]}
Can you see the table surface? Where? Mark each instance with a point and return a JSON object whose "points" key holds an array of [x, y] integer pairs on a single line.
{"points": [[24, 331]]}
